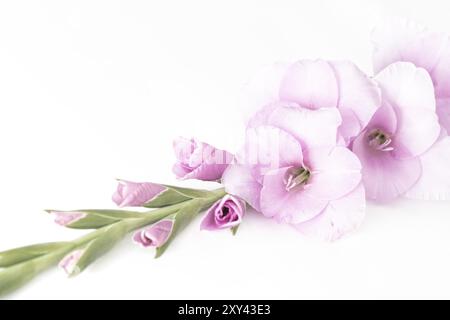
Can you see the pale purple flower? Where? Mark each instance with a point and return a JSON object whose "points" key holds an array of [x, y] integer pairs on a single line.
{"points": [[136, 194], [314, 85], [65, 218], [225, 213], [69, 262], [199, 160], [292, 170], [404, 40], [155, 235], [402, 149]]}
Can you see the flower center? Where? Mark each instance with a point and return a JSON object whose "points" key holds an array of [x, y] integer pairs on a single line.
{"points": [[380, 140], [224, 211], [296, 177]]}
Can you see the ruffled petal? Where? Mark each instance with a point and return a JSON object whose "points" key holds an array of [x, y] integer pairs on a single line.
{"points": [[340, 217], [358, 94], [384, 176], [268, 148], [334, 172], [239, 181], [443, 111], [312, 84], [434, 183], [313, 128], [410, 92], [262, 89], [384, 119], [350, 127], [404, 40], [441, 72]]}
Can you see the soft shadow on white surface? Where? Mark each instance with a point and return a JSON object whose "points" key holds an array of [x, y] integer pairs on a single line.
{"points": [[96, 90], [401, 251]]}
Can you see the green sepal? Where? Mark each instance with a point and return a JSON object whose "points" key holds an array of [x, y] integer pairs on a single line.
{"points": [[97, 247], [97, 218], [180, 220], [22, 254], [234, 230]]}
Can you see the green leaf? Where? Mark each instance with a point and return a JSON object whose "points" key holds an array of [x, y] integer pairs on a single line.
{"points": [[173, 195], [97, 218], [22, 264], [181, 219], [18, 255], [234, 230], [191, 193], [97, 247]]}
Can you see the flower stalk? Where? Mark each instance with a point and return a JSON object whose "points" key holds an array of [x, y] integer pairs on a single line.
{"points": [[19, 266]]}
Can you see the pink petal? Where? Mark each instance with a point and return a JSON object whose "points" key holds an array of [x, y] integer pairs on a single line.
{"points": [[434, 183], [443, 111], [206, 172], [135, 194], [268, 148], [358, 94], [410, 91], [155, 235], [340, 217], [312, 84], [384, 119], [384, 176], [334, 172], [199, 160], [262, 89], [313, 128], [183, 148], [295, 206], [350, 127], [233, 218], [441, 71], [69, 262], [239, 181], [404, 40], [65, 218]]}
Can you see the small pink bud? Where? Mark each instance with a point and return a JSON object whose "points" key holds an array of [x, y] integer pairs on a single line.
{"points": [[155, 235], [225, 213], [69, 262], [65, 218], [199, 160], [136, 194]]}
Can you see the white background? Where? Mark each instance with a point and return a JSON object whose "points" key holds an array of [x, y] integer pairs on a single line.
{"points": [[96, 90]]}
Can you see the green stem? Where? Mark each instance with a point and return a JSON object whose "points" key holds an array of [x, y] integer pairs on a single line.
{"points": [[17, 275]]}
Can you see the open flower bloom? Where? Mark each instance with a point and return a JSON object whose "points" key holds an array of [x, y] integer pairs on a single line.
{"points": [[314, 85], [404, 40], [155, 235], [199, 160], [225, 213], [398, 146], [292, 170]]}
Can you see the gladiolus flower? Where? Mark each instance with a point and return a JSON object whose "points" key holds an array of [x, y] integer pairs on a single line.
{"points": [[404, 40], [398, 146], [314, 85], [292, 170]]}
